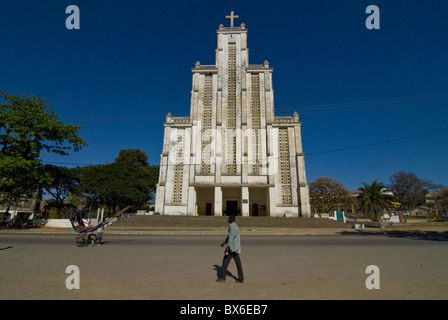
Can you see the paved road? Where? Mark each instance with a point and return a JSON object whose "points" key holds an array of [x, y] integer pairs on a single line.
{"points": [[185, 267]]}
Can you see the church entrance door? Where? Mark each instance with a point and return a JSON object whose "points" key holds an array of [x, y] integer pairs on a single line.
{"points": [[255, 209], [231, 208], [208, 209]]}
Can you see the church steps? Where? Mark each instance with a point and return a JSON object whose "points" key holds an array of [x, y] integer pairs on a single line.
{"points": [[218, 224]]}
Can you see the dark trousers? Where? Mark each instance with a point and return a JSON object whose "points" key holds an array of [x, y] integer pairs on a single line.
{"points": [[225, 264]]}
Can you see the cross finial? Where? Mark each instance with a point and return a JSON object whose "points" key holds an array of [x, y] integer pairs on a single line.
{"points": [[231, 17]]}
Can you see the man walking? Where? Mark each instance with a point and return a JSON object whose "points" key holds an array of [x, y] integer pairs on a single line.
{"points": [[233, 250]]}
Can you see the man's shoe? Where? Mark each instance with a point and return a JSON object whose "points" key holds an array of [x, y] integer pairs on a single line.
{"points": [[240, 281], [220, 280]]}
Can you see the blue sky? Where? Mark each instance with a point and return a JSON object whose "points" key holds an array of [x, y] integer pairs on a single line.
{"points": [[129, 65]]}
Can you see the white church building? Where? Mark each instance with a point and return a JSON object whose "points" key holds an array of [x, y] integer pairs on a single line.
{"points": [[232, 155]]}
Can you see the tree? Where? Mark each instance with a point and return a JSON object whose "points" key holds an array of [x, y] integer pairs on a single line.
{"points": [[326, 193], [27, 128], [63, 182], [129, 181], [19, 180], [132, 168], [442, 199], [375, 197], [135, 158], [409, 189], [96, 185], [153, 179]]}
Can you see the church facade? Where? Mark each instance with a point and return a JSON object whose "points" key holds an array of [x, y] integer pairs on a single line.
{"points": [[232, 155]]}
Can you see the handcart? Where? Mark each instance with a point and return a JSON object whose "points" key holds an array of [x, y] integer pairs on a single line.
{"points": [[88, 234]]}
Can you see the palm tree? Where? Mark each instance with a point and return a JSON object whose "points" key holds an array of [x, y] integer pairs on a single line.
{"points": [[375, 197]]}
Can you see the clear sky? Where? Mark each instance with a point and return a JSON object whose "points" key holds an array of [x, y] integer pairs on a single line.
{"points": [[129, 65]]}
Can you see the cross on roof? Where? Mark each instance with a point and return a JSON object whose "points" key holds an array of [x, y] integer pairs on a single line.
{"points": [[231, 17]]}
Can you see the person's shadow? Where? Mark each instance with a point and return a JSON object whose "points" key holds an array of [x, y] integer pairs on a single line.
{"points": [[219, 272]]}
